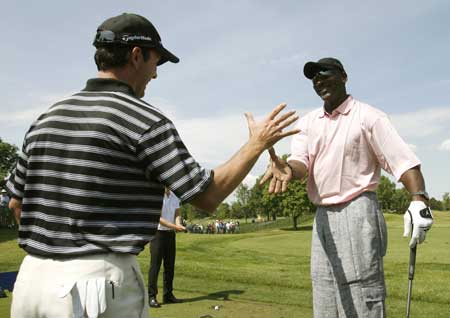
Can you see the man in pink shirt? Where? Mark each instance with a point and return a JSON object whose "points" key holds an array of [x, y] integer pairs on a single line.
{"points": [[342, 147]]}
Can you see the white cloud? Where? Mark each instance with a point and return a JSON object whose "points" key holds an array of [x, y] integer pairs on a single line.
{"points": [[413, 147], [165, 106], [213, 140], [424, 122], [39, 103], [22, 116], [250, 180], [445, 145]]}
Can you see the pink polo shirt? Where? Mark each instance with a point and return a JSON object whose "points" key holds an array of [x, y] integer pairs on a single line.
{"points": [[345, 151]]}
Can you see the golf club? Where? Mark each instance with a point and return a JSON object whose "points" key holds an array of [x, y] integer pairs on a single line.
{"points": [[412, 267]]}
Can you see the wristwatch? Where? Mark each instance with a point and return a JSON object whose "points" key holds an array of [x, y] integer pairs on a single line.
{"points": [[422, 193]]}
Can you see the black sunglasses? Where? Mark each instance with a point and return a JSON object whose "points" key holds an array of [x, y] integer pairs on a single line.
{"points": [[325, 73], [108, 37]]}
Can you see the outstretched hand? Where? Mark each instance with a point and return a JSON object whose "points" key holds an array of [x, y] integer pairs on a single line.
{"points": [[266, 133], [279, 171]]}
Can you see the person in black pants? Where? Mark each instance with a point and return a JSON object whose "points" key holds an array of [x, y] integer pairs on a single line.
{"points": [[162, 249]]}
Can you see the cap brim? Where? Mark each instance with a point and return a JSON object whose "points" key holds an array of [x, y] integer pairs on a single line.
{"points": [[166, 56], [311, 68]]}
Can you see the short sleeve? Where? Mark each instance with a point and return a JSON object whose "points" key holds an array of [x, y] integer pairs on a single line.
{"points": [[299, 143], [175, 200], [166, 159], [393, 154]]}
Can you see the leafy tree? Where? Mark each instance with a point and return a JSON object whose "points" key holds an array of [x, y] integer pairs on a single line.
{"points": [[295, 202], [189, 212], [436, 204], [292, 203], [271, 203], [237, 211], [8, 158], [446, 201], [240, 208], [385, 193], [390, 198], [400, 200], [223, 211], [255, 205]]}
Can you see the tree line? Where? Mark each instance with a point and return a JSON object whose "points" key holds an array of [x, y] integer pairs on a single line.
{"points": [[396, 200], [255, 201], [8, 158]]}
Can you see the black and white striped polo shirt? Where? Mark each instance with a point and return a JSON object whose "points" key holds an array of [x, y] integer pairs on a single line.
{"points": [[92, 172]]}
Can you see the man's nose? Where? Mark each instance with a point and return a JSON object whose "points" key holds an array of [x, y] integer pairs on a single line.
{"points": [[316, 80]]}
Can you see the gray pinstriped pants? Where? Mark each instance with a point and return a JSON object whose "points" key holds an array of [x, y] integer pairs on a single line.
{"points": [[348, 244]]}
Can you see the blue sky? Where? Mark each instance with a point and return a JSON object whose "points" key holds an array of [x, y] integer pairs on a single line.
{"points": [[246, 55]]}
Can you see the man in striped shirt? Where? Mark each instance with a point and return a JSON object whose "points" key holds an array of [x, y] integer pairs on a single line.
{"points": [[89, 183]]}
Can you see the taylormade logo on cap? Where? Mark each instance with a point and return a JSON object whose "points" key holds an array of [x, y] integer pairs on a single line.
{"points": [[133, 30], [127, 37]]}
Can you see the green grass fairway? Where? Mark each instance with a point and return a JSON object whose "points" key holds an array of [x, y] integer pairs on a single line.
{"points": [[266, 273]]}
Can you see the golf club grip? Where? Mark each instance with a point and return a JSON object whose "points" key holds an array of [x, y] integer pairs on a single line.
{"points": [[412, 262]]}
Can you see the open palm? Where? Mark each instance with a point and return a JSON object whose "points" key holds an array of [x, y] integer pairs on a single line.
{"points": [[279, 171]]}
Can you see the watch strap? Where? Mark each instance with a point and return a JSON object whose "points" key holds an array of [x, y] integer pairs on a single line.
{"points": [[422, 193]]}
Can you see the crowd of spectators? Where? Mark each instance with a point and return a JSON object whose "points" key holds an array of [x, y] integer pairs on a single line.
{"points": [[216, 227], [6, 216]]}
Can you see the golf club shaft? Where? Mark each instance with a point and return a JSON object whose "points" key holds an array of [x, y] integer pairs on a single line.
{"points": [[408, 303], [412, 267]]}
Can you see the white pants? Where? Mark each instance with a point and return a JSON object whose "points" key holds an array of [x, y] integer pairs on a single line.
{"points": [[102, 285]]}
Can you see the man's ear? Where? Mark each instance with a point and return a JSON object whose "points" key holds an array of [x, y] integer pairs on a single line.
{"points": [[135, 57], [344, 78]]}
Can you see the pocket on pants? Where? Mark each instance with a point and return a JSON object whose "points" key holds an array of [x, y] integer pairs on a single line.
{"points": [[367, 240], [373, 293], [383, 233]]}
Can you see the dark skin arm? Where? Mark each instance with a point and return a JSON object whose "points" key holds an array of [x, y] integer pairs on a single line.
{"points": [[413, 181], [299, 169]]}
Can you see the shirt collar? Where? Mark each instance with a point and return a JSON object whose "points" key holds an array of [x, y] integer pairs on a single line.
{"points": [[109, 85], [342, 109]]}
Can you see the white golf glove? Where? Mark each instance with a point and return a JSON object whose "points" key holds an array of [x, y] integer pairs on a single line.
{"points": [[418, 217], [88, 297]]}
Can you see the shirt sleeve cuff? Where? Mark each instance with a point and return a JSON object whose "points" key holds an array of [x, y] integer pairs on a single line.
{"points": [[199, 188], [302, 160], [400, 171]]}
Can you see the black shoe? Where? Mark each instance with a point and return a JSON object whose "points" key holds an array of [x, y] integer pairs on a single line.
{"points": [[152, 302], [171, 299]]}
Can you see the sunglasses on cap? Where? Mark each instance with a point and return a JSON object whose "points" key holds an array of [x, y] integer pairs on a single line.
{"points": [[109, 37], [325, 73]]}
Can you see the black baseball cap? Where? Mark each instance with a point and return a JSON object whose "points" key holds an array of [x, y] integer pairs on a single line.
{"points": [[132, 30], [312, 68]]}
